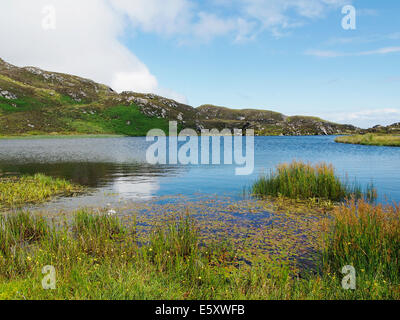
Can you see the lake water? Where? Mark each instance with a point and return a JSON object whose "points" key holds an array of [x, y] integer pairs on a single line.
{"points": [[116, 170]]}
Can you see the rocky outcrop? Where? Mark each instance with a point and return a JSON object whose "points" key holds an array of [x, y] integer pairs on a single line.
{"points": [[156, 106], [265, 122], [391, 129], [7, 95]]}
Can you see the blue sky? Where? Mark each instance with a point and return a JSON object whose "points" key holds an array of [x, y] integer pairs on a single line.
{"points": [[285, 72], [291, 56]]}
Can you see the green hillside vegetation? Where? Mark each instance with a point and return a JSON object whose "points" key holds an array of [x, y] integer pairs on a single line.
{"points": [[38, 102], [39, 106]]}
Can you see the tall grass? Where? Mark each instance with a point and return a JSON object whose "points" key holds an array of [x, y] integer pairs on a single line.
{"points": [[89, 225], [17, 191], [298, 180], [368, 238], [18, 233], [95, 257], [179, 239]]}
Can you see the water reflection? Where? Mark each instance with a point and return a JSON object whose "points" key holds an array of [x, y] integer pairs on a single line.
{"points": [[91, 174], [137, 189]]}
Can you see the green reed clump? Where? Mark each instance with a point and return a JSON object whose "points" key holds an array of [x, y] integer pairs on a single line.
{"points": [[17, 191], [27, 228], [179, 238], [299, 180], [102, 235], [18, 232], [176, 247], [20, 229], [100, 225], [367, 237]]}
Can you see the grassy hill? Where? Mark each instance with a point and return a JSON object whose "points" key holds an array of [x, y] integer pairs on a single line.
{"points": [[266, 122], [391, 129], [37, 102]]}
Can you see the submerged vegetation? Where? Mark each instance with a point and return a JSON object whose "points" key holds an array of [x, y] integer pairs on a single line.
{"points": [[299, 180], [96, 256], [18, 191], [371, 140]]}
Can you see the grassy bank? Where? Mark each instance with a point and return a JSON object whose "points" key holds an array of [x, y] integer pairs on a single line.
{"points": [[58, 136], [19, 191], [298, 180], [96, 257], [371, 140]]}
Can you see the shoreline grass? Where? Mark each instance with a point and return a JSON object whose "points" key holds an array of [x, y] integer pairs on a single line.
{"points": [[299, 180], [368, 238], [371, 140], [96, 257], [59, 136], [19, 191]]}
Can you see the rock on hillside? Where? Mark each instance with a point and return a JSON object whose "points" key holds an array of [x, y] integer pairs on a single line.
{"points": [[78, 89]]}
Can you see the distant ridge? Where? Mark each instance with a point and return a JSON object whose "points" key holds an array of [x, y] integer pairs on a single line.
{"points": [[34, 101]]}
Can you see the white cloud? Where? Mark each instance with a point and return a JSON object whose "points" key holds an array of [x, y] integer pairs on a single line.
{"points": [[335, 54], [380, 51], [363, 39], [86, 39], [161, 16], [85, 42], [189, 21], [183, 19], [366, 118], [145, 82], [210, 26], [274, 13]]}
